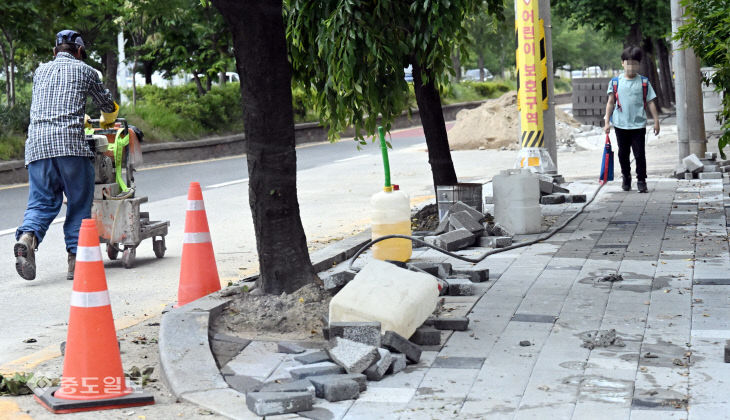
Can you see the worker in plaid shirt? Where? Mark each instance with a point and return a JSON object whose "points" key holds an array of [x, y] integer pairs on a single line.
{"points": [[57, 155]]}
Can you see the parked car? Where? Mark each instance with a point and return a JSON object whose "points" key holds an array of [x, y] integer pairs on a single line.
{"points": [[473, 75], [408, 73], [593, 71]]}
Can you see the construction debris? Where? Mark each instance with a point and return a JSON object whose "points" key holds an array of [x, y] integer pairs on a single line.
{"points": [[601, 338], [361, 332], [354, 357]]}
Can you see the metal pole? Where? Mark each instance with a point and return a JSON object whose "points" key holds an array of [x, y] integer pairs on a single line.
{"points": [[549, 114], [680, 88]]}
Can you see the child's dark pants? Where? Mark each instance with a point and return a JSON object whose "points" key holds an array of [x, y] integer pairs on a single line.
{"points": [[629, 140]]}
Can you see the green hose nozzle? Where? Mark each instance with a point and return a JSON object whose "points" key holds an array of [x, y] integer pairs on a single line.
{"points": [[386, 163]]}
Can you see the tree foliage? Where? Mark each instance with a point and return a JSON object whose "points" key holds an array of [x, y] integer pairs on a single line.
{"points": [[707, 31]]}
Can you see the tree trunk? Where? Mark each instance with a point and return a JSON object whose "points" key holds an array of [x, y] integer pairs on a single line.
{"points": [[148, 70], [262, 63], [111, 63], [222, 78], [134, 82], [634, 36], [434, 127], [6, 67], [648, 66], [480, 64], [665, 70], [208, 83], [456, 64], [199, 85]]}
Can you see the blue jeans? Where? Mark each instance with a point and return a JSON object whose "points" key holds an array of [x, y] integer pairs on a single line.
{"points": [[48, 179]]}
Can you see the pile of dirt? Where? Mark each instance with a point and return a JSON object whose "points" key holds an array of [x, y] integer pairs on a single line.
{"points": [[496, 125], [426, 218], [294, 316]]}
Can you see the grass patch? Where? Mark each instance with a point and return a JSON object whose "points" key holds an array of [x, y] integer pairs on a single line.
{"points": [[12, 146]]}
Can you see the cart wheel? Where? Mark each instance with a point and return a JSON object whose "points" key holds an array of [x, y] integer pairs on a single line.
{"points": [[158, 245], [128, 256], [112, 251]]}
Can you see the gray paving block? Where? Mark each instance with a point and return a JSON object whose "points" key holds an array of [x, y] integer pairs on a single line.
{"points": [[460, 286], [272, 403], [395, 342], [361, 332], [693, 164], [710, 175], [464, 220], [315, 369], [495, 241], [688, 175], [575, 198], [313, 357], [377, 370], [546, 187], [461, 206], [353, 356], [476, 275], [289, 348], [455, 240], [710, 155], [460, 323], [398, 363], [711, 168], [429, 267], [552, 199], [426, 336], [301, 385], [319, 381], [443, 225], [679, 171], [335, 282], [341, 390], [242, 383]]}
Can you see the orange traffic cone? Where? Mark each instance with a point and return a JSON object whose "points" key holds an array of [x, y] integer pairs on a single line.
{"points": [[198, 271], [93, 378]]}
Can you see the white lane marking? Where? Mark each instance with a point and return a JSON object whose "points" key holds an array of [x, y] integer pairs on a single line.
{"points": [[9, 231], [351, 158], [225, 184]]}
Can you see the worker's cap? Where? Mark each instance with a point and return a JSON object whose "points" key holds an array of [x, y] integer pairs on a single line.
{"points": [[69, 36]]}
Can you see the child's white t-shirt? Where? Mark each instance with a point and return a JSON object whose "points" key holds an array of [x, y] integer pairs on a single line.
{"points": [[630, 93]]}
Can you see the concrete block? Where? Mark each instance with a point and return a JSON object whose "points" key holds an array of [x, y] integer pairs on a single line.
{"points": [[301, 385], [443, 225], [426, 336], [552, 199], [319, 381], [377, 370], [341, 390], [679, 171], [476, 275], [693, 164], [560, 190], [724, 169], [495, 241], [313, 357], [464, 220], [271, 403], [338, 280], [289, 348], [398, 363], [455, 240], [460, 286], [460, 323], [395, 342], [546, 187], [315, 369], [710, 155], [711, 175], [688, 175], [711, 168], [575, 198], [353, 356], [242, 383], [461, 206], [723, 163], [361, 332], [444, 270]]}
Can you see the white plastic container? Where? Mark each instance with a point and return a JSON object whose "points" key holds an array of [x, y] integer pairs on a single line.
{"points": [[517, 201], [390, 214], [401, 300]]}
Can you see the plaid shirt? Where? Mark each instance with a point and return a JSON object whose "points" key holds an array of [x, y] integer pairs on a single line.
{"points": [[57, 111]]}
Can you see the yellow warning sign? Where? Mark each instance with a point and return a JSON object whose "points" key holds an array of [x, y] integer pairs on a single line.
{"points": [[531, 72]]}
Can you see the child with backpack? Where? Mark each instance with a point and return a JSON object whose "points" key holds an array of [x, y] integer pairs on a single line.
{"points": [[628, 97]]}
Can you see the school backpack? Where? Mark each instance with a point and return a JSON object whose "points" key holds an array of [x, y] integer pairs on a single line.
{"points": [[644, 88]]}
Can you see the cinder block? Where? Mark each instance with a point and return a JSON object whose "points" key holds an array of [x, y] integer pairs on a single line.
{"points": [[353, 356], [272, 403], [463, 220], [345, 389], [460, 323], [455, 240], [398, 363], [313, 357], [301, 385], [426, 336], [693, 164], [552, 199], [361, 332], [395, 342], [495, 241], [377, 370], [315, 369], [289, 348], [710, 175], [460, 286], [475, 275], [710, 155], [319, 381], [461, 206], [575, 198], [338, 280]]}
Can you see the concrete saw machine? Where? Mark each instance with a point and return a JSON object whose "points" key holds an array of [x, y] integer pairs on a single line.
{"points": [[121, 224]]}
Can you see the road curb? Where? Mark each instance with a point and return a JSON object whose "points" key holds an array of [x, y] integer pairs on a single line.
{"points": [[186, 361]]}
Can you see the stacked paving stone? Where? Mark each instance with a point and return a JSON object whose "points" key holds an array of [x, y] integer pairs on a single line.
{"points": [[452, 282], [692, 167], [552, 193]]}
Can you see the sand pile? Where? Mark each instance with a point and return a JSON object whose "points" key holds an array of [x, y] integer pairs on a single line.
{"points": [[495, 125]]}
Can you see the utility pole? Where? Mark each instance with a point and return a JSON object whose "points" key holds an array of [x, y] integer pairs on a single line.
{"points": [[549, 114]]}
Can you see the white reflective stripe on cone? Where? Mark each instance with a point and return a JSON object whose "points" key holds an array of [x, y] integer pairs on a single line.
{"points": [[90, 299], [196, 205], [88, 254], [196, 237]]}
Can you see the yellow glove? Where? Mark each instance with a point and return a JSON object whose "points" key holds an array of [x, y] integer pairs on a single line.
{"points": [[107, 118]]}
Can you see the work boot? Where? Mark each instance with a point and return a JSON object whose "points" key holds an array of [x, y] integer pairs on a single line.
{"points": [[71, 266], [626, 184], [641, 186], [24, 251]]}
